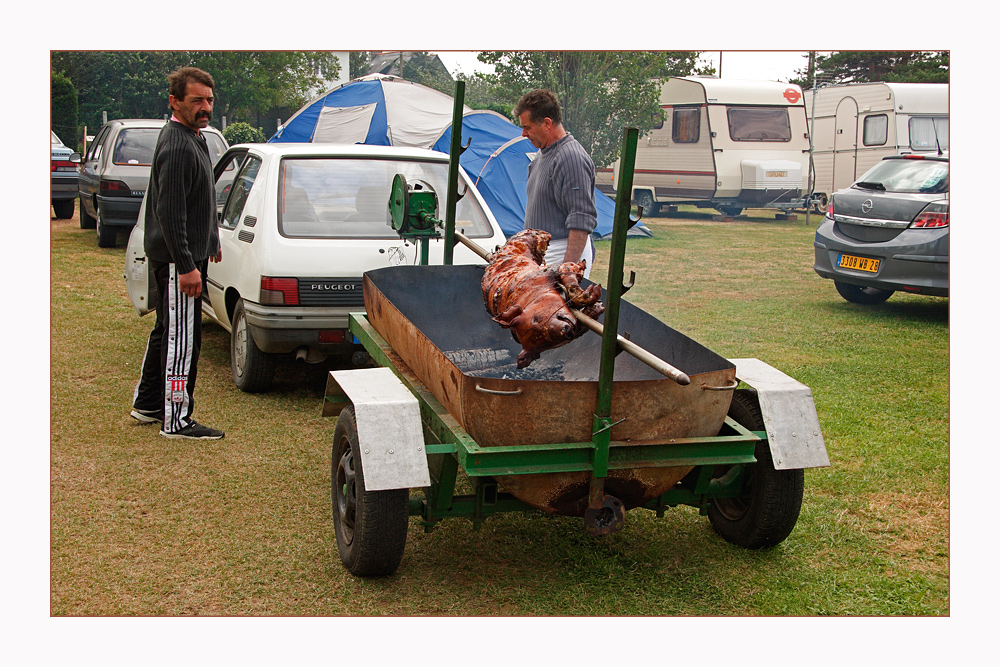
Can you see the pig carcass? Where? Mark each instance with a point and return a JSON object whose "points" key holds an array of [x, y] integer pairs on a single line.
{"points": [[534, 300]]}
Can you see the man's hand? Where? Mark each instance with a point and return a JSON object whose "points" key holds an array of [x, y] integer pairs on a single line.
{"points": [[190, 283], [217, 258]]}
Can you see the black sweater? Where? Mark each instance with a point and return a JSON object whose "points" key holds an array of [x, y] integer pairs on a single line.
{"points": [[180, 203]]}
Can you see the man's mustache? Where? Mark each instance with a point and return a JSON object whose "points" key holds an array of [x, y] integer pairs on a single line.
{"points": [[203, 114]]}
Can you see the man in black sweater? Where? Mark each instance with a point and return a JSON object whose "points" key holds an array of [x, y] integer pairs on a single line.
{"points": [[180, 237]]}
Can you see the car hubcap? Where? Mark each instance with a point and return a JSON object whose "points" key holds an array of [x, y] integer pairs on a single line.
{"points": [[241, 345]]}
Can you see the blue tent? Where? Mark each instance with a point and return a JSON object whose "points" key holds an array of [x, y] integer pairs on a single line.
{"points": [[385, 111]]}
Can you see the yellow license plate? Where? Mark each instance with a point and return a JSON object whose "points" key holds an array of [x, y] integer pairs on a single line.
{"points": [[858, 263]]}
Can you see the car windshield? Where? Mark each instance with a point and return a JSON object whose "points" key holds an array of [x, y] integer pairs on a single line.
{"points": [[55, 140], [216, 146], [135, 146], [348, 198], [907, 175]]}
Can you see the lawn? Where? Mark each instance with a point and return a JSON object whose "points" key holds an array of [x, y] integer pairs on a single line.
{"points": [[241, 527]]}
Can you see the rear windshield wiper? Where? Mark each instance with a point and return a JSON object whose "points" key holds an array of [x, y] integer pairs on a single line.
{"points": [[870, 185]]}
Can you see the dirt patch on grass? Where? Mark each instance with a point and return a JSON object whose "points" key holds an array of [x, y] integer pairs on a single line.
{"points": [[916, 527]]}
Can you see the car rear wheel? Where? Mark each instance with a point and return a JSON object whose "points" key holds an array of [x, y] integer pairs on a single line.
{"points": [[866, 296], [107, 237], [64, 209], [253, 370], [87, 221]]}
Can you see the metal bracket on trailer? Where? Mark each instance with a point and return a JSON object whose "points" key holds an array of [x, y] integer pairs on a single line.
{"points": [[390, 433], [793, 432]]}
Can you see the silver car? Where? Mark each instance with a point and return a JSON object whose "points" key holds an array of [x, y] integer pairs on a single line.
{"points": [[889, 231], [65, 175], [114, 174]]}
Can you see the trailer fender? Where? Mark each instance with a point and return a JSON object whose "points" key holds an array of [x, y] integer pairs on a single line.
{"points": [[390, 433], [793, 432]]}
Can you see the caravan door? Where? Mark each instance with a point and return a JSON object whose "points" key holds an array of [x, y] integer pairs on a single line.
{"points": [[845, 143]]}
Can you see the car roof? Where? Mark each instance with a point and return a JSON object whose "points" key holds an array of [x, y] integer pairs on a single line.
{"points": [[344, 150], [148, 122]]}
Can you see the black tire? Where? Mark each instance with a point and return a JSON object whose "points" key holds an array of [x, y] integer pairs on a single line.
{"points": [[766, 511], [87, 221], [644, 198], [730, 210], [107, 236], [866, 296], [64, 208], [253, 370], [370, 525]]}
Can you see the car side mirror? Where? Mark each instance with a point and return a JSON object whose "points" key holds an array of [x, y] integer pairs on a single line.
{"points": [[75, 157]]}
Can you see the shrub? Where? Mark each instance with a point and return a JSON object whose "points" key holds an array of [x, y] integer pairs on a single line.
{"points": [[243, 133]]}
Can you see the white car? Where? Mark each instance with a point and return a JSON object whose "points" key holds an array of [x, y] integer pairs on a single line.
{"points": [[299, 225]]}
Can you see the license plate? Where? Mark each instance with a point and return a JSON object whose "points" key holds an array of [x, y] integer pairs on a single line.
{"points": [[858, 263]]}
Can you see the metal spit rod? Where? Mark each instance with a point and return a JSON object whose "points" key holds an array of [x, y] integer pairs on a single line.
{"points": [[636, 351]]}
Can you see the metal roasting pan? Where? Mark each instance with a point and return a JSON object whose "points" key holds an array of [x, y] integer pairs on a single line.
{"points": [[435, 320]]}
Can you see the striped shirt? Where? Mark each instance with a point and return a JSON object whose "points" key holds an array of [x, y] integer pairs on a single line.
{"points": [[561, 189]]}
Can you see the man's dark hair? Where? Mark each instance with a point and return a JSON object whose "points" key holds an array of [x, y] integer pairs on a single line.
{"points": [[179, 80], [540, 104]]}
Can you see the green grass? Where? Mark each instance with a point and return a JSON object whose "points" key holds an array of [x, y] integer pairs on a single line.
{"points": [[145, 526]]}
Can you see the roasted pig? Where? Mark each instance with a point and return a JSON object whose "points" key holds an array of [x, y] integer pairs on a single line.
{"points": [[533, 300]]}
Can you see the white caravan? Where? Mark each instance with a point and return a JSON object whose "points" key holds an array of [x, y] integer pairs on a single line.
{"points": [[724, 144], [855, 125]]}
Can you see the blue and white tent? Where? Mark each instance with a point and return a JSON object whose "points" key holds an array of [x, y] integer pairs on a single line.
{"points": [[388, 111]]}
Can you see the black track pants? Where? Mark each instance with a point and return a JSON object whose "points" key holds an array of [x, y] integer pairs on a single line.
{"points": [[170, 365]]}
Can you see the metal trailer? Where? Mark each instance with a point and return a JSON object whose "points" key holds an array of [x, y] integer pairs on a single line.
{"points": [[595, 434]]}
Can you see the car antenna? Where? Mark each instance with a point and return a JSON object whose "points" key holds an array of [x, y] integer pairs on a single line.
{"points": [[936, 140]]}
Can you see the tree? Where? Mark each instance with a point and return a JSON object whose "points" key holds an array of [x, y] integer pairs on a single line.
{"points": [[133, 84], [243, 133], [870, 66], [64, 113], [601, 92]]}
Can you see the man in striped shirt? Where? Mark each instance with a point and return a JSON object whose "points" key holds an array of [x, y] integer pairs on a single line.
{"points": [[180, 237], [560, 182]]}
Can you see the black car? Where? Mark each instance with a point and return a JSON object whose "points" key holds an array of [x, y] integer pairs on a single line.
{"points": [[889, 231]]}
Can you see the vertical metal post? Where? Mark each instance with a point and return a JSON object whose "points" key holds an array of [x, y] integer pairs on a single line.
{"points": [[453, 166], [609, 341], [616, 271]]}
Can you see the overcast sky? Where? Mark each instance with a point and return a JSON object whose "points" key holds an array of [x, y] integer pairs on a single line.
{"points": [[762, 65]]}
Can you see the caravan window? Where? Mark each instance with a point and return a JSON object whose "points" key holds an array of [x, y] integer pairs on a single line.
{"points": [[687, 125], [876, 131], [928, 133], [759, 124]]}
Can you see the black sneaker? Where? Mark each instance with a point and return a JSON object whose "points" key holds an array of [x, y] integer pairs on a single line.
{"points": [[194, 431], [148, 416]]}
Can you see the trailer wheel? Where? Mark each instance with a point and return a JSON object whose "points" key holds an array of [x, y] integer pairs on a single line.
{"points": [[732, 211], [370, 525], [768, 507], [644, 198], [866, 296]]}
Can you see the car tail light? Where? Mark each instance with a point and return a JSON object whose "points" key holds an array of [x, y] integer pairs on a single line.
{"points": [[933, 216], [829, 209], [333, 336], [279, 291], [64, 165], [115, 189]]}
